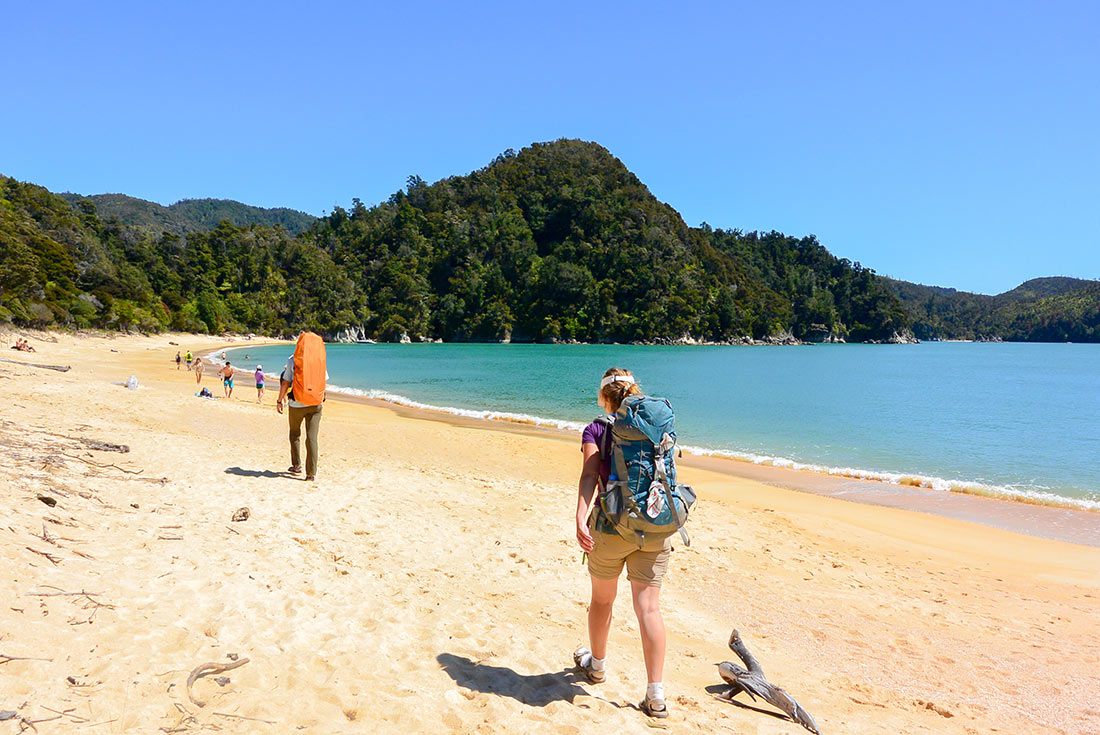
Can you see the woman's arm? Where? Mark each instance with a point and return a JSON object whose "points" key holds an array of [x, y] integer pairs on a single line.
{"points": [[586, 492]]}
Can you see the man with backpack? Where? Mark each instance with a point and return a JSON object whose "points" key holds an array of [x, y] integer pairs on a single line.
{"points": [[302, 387]]}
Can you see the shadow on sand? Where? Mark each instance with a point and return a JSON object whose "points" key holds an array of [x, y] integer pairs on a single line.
{"points": [[241, 472], [536, 690], [718, 689]]}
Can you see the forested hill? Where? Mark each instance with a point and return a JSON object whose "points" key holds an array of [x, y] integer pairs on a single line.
{"points": [[1056, 309], [191, 215], [557, 242], [561, 241]]}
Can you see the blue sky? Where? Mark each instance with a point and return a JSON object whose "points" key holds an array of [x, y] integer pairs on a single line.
{"points": [[953, 144]]}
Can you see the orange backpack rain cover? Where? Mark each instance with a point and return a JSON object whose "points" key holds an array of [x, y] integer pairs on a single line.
{"points": [[309, 370]]}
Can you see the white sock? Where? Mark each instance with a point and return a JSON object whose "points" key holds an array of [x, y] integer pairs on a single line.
{"points": [[655, 691], [590, 661]]}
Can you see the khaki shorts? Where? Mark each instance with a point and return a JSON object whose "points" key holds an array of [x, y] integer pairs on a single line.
{"points": [[646, 565]]}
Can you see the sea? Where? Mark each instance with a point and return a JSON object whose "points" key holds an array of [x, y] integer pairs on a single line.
{"points": [[1001, 419]]}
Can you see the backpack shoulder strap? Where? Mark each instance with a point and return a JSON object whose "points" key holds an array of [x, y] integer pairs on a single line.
{"points": [[605, 443]]}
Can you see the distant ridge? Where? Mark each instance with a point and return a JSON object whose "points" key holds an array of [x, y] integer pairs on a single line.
{"points": [[191, 215], [1041, 288], [1052, 309]]}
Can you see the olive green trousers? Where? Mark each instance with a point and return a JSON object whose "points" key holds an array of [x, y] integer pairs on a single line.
{"points": [[312, 417]]}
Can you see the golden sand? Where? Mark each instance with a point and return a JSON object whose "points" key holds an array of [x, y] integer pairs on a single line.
{"points": [[429, 580]]}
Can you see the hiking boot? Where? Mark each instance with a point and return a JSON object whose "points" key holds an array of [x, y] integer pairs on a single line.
{"points": [[294, 469], [582, 658]]}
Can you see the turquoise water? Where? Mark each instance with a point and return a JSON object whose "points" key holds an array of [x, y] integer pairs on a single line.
{"points": [[1014, 418]]}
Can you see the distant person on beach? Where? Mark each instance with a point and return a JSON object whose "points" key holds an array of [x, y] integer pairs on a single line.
{"points": [[302, 385], [259, 378], [198, 371], [178, 360], [189, 358], [226, 374], [608, 552]]}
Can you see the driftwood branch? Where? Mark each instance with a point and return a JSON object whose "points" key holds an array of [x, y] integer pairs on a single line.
{"points": [[752, 682], [205, 670], [58, 368], [101, 446], [4, 658]]}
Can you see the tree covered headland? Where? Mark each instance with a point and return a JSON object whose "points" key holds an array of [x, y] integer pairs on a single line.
{"points": [[557, 242], [1057, 309]]}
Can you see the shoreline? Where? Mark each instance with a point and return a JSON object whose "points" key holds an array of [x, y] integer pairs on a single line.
{"points": [[1050, 518], [430, 579]]}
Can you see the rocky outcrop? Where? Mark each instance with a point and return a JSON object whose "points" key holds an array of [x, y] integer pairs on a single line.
{"points": [[905, 337], [782, 338], [351, 333]]}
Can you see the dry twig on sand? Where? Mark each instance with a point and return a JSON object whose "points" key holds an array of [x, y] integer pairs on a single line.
{"points": [[242, 717], [97, 464], [89, 602], [205, 670], [61, 593], [53, 559]]}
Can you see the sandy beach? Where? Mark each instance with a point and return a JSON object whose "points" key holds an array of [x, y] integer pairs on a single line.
{"points": [[429, 581]]}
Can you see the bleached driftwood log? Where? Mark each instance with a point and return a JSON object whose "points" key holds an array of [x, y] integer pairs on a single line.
{"points": [[58, 368], [753, 682]]}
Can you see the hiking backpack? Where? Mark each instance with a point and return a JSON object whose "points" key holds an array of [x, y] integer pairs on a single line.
{"points": [[642, 495], [308, 387]]}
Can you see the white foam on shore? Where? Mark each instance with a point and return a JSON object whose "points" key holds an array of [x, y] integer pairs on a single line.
{"points": [[1038, 496], [516, 418], [1035, 495]]}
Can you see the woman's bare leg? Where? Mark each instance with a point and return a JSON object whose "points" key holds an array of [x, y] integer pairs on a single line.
{"points": [[599, 614], [647, 608]]}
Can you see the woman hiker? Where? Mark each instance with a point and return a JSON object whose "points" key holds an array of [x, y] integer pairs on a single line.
{"points": [[258, 377], [608, 552]]}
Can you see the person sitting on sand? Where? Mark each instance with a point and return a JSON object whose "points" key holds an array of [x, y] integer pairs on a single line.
{"points": [[608, 552], [198, 370], [226, 374], [259, 378]]}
